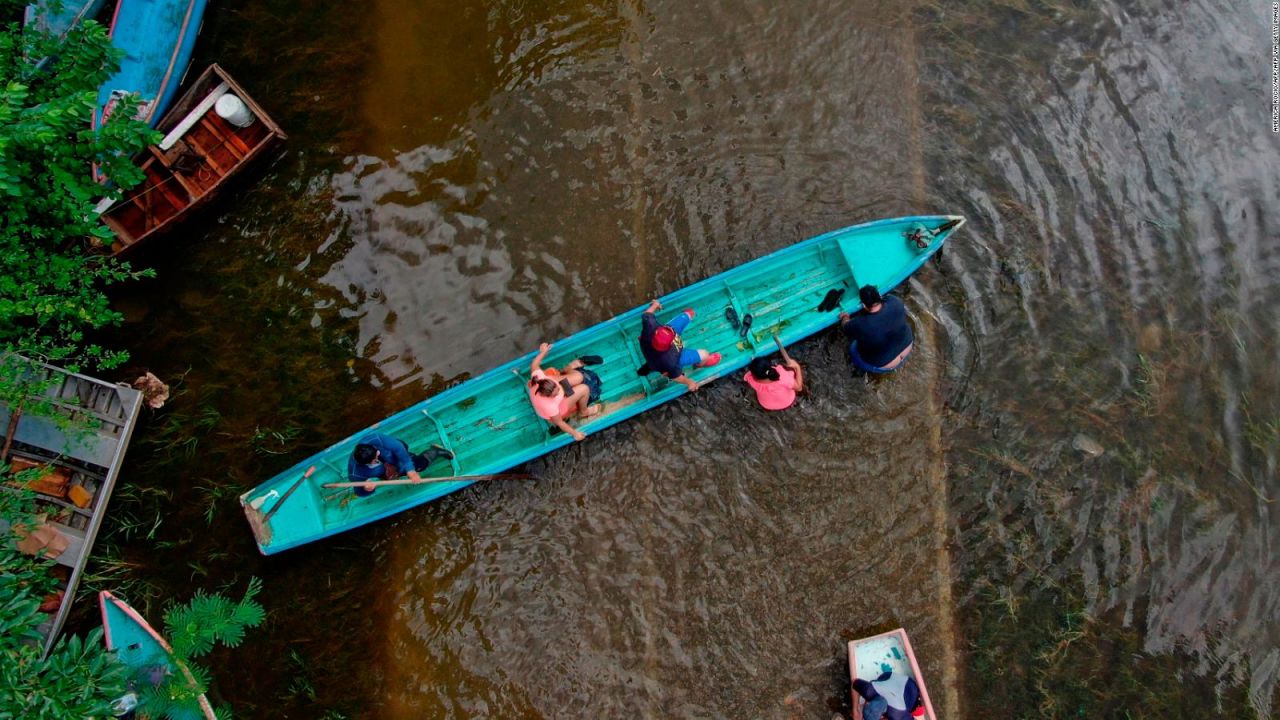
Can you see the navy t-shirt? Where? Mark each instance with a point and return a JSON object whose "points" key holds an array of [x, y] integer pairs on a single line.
{"points": [[666, 361], [880, 336]]}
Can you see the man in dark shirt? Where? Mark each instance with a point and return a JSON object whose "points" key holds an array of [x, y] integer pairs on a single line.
{"points": [[382, 457], [663, 349], [879, 336]]}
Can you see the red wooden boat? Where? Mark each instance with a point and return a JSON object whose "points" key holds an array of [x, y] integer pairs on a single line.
{"points": [[213, 131]]}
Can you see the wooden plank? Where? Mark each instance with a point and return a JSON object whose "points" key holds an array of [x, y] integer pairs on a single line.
{"points": [[192, 191], [218, 129], [207, 154]]}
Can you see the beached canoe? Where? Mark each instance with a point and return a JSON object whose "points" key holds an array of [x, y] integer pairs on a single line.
{"points": [[489, 425], [872, 656], [56, 17], [139, 647], [157, 37]]}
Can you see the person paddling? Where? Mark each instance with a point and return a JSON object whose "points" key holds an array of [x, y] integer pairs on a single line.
{"points": [[557, 395], [776, 385], [879, 337], [663, 349], [382, 457]]}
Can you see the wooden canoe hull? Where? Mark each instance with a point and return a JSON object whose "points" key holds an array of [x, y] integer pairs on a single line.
{"points": [[871, 656], [136, 644], [202, 160], [490, 426]]}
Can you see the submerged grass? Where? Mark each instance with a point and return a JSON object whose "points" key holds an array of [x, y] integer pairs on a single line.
{"points": [[1038, 653]]}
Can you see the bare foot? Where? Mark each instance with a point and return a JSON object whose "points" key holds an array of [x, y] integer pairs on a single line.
{"points": [[591, 411]]}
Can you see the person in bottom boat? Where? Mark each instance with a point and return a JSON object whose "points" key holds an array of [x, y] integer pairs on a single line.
{"points": [[775, 385], [892, 696], [665, 352], [558, 395], [383, 457], [879, 337]]}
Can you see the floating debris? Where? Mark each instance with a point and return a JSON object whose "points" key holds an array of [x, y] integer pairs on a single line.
{"points": [[1087, 445], [154, 392]]}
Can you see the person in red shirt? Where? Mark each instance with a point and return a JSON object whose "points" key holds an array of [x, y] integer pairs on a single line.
{"points": [[775, 385]]}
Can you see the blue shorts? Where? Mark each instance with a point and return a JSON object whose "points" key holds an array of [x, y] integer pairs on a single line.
{"points": [[592, 381], [862, 365], [688, 356]]}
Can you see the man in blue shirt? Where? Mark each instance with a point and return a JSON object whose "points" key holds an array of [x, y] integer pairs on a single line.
{"points": [[665, 352], [382, 457], [879, 337]]}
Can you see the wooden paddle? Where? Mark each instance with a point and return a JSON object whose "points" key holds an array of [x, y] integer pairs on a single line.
{"points": [[781, 349], [289, 492], [785, 356], [419, 481]]}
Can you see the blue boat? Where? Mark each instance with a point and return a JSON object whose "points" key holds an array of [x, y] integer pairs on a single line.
{"points": [[157, 37], [488, 424], [56, 17], [140, 648]]}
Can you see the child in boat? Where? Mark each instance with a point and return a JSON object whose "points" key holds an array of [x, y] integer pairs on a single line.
{"points": [[663, 349], [383, 457], [775, 385], [879, 337], [892, 696], [559, 394]]}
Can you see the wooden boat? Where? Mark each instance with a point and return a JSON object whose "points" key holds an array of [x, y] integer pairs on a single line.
{"points": [[891, 651], [489, 425], [157, 38], [81, 468], [138, 646], [200, 153], [56, 17]]}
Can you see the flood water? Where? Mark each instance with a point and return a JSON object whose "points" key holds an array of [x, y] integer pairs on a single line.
{"points": [[1068, 498]]}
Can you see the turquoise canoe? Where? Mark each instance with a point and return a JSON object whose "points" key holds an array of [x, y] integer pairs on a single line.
{"points": [[157, 37], [490, 426], [140, 648]]}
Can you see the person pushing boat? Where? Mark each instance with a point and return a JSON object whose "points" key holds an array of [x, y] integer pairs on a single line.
{"points": [[378, 456], [663, 349], [879, 337], [560, 394], [776, 385]]}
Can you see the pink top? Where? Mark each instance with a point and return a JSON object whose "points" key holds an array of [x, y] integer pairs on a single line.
{"points": [[548, 407], [778, 394]]}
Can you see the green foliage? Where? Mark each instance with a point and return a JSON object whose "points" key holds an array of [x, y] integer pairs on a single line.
{"points": [[193, 629], [52, 292], [79, 679]]}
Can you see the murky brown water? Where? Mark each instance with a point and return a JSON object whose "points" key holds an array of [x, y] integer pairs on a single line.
{"points": [[466, 179]]}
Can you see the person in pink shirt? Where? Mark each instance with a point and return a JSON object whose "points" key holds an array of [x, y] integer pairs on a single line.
{"points": [[775, 385], [560, 394]]}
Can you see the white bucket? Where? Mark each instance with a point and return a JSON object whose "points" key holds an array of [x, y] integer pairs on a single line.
{"points": [[233, 110]]}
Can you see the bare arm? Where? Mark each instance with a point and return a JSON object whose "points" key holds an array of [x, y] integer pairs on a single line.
{"points": [[654, 306], [795, 367], [560, 423], [536, 365], [687, 382]]}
